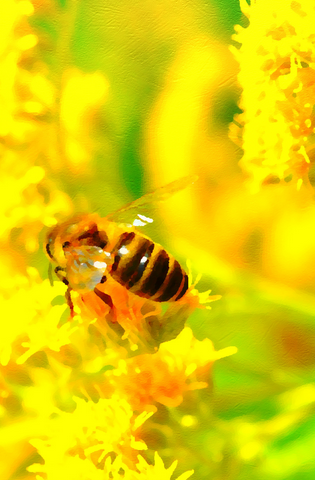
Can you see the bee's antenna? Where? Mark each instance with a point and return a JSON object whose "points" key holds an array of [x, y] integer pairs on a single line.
{"points": [[50, 274]]}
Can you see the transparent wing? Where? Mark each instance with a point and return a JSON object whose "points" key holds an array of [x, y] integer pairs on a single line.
{"points": [[134, 212]]}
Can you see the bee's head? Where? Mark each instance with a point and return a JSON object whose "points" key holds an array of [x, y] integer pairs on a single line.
{"points": [[79, 230], [59, 237]]}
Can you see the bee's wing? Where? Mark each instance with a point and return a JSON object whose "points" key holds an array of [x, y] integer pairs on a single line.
{"points": [[134, 211]]}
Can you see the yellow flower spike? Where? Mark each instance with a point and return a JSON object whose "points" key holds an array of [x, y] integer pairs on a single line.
{"points": [[25, 7], [24, 95], [76, 468], [33, 175], [32, 316], [39, 399], [190, 369], [20, 182], [42, 89], [82, 95], [186, 350], [277, 72], [189, 270], [93, 430], [165, 377], [203, 297], [137, 444], [47, 334], [71, 468], [143, 417], [27, 42], [158, 470], [226, 352]]}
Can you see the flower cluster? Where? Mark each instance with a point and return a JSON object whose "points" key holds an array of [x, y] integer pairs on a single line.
{"points": [[75, 391], [180, 365], [277, 71], [27, 100]]}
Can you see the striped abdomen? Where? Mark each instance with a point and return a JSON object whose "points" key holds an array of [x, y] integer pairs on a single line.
{"points": [[147, 270]]}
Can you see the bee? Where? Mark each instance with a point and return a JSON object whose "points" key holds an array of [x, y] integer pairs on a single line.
{"points": [[87, 248]]}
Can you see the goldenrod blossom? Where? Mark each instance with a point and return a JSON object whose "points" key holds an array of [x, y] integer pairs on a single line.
{"points": [[277, 72], [158, 471], [35, 326], [180, 365], [84, 438], [82, 94], [27, 99], [76, 390], [93, 430], [76, 468]]}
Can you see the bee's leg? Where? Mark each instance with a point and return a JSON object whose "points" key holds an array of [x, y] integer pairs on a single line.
{"points": [[104, 297], [61, 274], [50, 274], [69, 301]]}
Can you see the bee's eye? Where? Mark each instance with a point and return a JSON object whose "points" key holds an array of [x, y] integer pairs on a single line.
{"points": [[94, 237], [65, 244]]}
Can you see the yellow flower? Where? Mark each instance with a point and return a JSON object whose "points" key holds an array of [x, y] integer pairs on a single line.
{"points": [[22, 204], [158, 471], [180, 365], [48, 360], [82, 95], [31, 322], [26, 97], [92, 431], [76, 468], [277, 73], [12, 47], [70, 468]]}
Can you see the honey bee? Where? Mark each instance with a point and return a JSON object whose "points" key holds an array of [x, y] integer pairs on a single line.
{"points": [[87, 248]]}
